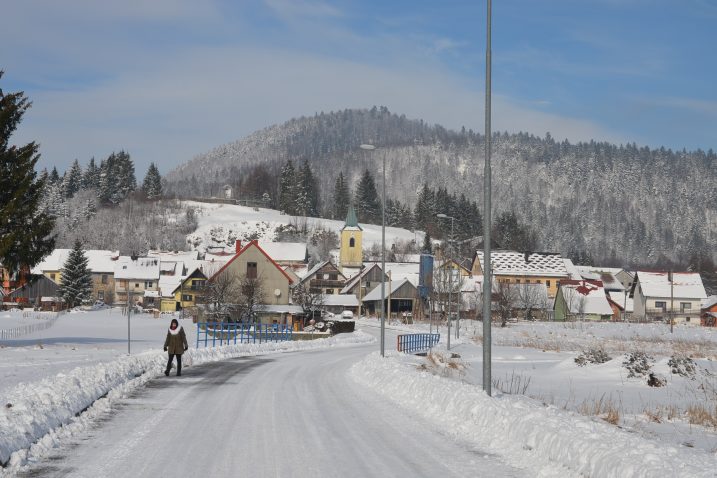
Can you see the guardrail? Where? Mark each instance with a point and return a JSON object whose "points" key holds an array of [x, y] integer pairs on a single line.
{"points": [[16, 332], [211, 334], [413, 343]]}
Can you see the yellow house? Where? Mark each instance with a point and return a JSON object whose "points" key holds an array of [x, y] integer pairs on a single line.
{"points": [[514, 267], [351, 252], [184, 295]]}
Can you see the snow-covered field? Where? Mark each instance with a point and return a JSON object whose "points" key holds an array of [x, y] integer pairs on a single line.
{"points": [[223, 224], [548, 415]]}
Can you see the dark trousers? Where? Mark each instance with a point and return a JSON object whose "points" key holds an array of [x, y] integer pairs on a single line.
{"points": [[179, 364]]}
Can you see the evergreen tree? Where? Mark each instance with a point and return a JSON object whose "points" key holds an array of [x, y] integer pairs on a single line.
{"points": [[25, 230], [73, 180], [287, 189], [152, 185], [117, 178], [510, 234], [427, 247], [54, 176], [91, 178], [307, 198], [425, 215], [368, 208], [76, 286], [341, 199]]}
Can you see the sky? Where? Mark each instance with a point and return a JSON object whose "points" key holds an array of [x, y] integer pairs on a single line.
{"points": [[166, 80]]}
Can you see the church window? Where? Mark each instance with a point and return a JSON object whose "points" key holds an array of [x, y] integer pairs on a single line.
{"points": [[352, 242]]}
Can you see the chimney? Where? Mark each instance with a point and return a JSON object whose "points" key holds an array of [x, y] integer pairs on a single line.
{"points": [[238, 246]]}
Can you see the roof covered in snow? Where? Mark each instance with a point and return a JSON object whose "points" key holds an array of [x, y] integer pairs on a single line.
{"points": [[608, 279], [175, 256], [98, 261], [709, 302], [585, 297], [143, 268], [685, 285], [543, 264], [623, 300], [375, 294], [342, 300], [402, 270], [285, 251]]}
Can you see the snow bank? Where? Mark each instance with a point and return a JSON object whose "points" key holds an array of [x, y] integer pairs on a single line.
{"points": [[36, 416], [545, 440]]}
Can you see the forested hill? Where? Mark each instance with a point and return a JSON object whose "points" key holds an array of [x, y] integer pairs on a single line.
{"points": [[620, 204]]}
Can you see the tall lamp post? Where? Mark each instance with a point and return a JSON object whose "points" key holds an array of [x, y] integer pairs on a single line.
{"points": [[370, 147], [450, 284], [487, 285]]}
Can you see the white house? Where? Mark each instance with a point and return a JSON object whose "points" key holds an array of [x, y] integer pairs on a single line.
{"points": [[657, 295], [139, 278]]}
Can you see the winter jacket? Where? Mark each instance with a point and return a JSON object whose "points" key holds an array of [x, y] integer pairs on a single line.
{"points": [[176, 341]]}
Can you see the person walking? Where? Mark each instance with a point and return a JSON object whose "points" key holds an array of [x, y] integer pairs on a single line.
{"points": [[175, 344]]}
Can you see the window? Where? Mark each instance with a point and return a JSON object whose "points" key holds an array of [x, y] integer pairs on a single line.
{"points": [[52, 276], [329, 291], [100, 295], [517, 281], [685, 306], [540, 282], [547, 283], [104, 278], [661, 305], [136, 285], [352, 242], [333, 277], [251, 270], [186, 298], [148, 284]]}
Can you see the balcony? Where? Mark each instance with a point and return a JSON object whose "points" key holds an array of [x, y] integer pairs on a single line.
{"points": [[326, 284]]}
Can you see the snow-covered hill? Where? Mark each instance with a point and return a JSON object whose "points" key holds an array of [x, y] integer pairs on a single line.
{"points": [[223, 224]]}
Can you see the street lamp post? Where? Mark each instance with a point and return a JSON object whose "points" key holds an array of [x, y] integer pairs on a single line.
{"points": [[370, 147], [487, 286], [450, 284]]}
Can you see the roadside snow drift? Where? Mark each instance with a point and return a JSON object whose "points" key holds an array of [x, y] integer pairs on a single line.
{"points": [[545, 440], [35, 416]]}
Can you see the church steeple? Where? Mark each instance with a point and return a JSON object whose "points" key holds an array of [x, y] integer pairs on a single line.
{"points": [[351, 253]]}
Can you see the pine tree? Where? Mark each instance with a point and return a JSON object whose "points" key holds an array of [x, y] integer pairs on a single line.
{"points": [[152, 185], [25, 230], [76, 286], [307, 198], [73, 180], [367, 204], [341, 199], [287, 189], [427, 247], [54, 175], [91, 178]]}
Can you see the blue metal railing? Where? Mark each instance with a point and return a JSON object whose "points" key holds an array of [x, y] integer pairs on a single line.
{"points": [[412, 343], [211, 334]]}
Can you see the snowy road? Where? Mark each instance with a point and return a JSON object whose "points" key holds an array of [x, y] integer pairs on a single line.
{"points": [[293, 414]]}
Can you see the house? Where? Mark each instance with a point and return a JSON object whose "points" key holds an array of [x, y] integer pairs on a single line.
{"points": [[401, 295], [32, 293], [9, 281], [190, 290], [337, 303], [137, 278], [323, 278], [252, 262], [605, 275], [659, 295], [584, 300], [709, 311], [623, 303], [370, 276], [101, 264], [291, 254], [513, 267]]}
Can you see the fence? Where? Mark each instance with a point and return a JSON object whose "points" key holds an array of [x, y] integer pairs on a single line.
{"points": [[16, 332], [412, 343], [211, 334]]}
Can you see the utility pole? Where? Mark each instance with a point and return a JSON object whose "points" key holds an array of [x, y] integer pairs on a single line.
{"points": [[487, 286], [672, 300], [129, 313]]}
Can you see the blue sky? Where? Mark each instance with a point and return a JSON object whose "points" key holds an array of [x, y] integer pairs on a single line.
{"points": [[168, 79]]}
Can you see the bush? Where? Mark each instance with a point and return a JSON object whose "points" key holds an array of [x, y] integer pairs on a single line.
{"points": [[683, 366], [638, 364], [597, 355]]}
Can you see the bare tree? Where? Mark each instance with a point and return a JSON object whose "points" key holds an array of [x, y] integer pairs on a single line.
{"points": [[220, 292], [251, 296], [530, 297], [309, 301], [505, 298]]}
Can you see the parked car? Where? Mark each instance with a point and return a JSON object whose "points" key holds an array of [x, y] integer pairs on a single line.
{"points": [[347, 314]]}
